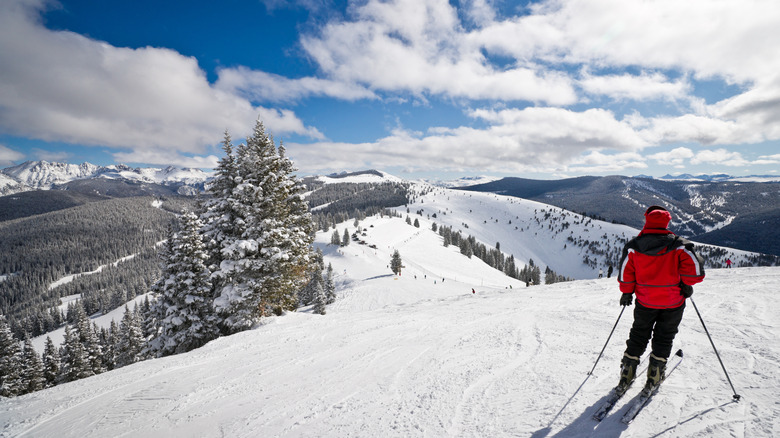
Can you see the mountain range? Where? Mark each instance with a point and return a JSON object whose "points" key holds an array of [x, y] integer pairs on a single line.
{"points": [[738, 212], [44, 175], [744, 215]]}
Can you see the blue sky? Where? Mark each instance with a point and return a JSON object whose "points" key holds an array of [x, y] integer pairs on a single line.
{"points": [[418, 88]]}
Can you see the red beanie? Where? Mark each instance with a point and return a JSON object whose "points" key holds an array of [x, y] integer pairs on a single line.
{"points": [[657, 217]]}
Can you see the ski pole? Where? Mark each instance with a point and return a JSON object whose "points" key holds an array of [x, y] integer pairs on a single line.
{"points": [[605, 345], [736, 396]]}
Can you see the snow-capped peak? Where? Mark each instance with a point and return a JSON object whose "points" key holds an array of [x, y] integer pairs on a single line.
{"points": [[44, 175]]}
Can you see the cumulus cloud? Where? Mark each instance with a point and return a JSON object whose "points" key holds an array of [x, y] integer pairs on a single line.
{"points": [[642, 87], [419, 47], [721, 157], [261, 86], [676, 157], [8, 156], [65, 87], [516, 140]]}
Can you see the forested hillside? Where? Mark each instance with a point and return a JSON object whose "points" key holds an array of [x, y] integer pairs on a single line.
{"points": [[38, 250]]}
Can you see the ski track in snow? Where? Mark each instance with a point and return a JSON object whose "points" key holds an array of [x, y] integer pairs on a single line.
{"points": [[407, 357]]}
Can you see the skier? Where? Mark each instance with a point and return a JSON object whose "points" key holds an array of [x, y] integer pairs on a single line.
{"points": [[660, 268], [609, 271], [728, 263], [601, 272]]}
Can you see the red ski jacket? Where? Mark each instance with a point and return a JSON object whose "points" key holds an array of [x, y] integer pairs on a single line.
{"points": [[653, 265]]}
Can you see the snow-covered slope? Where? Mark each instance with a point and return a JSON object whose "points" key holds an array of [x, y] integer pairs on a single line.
{"points": [[43, 174], [9, 185], [549, 235], [420, 355]]}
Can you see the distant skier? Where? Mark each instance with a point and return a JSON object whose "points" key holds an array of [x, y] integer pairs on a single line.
{"points": [[601, 272], [609, 271], [728, 263], [661, 269], [472, 290]]}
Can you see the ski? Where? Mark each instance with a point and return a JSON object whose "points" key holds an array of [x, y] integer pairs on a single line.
{"points": [[609, 403], [648, 393]]}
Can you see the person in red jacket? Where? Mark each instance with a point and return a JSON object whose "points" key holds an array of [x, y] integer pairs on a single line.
{"points": [[660, 268]]}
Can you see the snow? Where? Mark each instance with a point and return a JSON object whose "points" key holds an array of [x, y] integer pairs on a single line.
{"points": [[102, 321], [399, 356], [68, 278], [362, 178]]}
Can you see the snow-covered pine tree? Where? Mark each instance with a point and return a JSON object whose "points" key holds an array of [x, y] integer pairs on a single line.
{"points": [[345, 238], [131, 339], [330, 288], [308, 293], [89, 339], [32, 366], [110, 346], [266, 265], [187, 320], [220, 223], [75, 359], [11, 382], [396, 263], [335, 239], [319, 299], [51, 363]]}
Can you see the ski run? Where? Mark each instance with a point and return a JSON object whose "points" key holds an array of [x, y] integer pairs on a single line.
{"points": [[421, 355]]}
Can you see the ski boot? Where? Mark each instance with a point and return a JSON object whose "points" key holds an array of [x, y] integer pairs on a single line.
{"points": [[655, 373], [628, 367]]}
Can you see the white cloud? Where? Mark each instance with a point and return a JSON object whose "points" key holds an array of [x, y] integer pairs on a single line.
{"points": [[61, 86], [527, 140], [165, 157], [261, 86], [8, 156], [646, 86], [721, 157], [419, 46], [674, 157]]}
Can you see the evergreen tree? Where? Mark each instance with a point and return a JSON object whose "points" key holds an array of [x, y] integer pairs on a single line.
{"points": [[88, 338], [335, 239], [307, 294], [395, 263], [330, 288], [33, 376], [110, 346], [221, 224], [345, 238], [11, 382], [319, 299], [131, 339], [51, 363], [187, 319], [267, 264], [75, 359], [416, 223]]}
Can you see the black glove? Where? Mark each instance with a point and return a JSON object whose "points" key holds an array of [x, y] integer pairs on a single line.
{"points": [[626, 299], [686, 290]]}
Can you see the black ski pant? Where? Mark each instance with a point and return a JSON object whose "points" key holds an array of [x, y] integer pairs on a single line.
{"points": [[662, 324]]}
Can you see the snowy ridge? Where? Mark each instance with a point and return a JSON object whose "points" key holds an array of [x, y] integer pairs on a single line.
{"points": [[374, 176], [43, 175], [529, 229], [416, 356]]}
